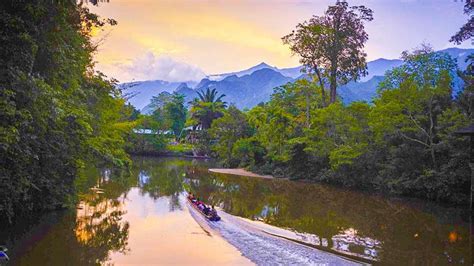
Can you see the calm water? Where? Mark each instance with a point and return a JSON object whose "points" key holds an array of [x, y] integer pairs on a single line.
{"points": [[142, 218]]}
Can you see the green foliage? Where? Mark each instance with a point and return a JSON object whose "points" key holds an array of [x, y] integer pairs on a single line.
{"points": [[402, 144], [340, 132], [414, 119], [153, 131], [207, 107], [159, 101], [248, 151], [231, 127], [175, 114], [412, 97], [331, 46], [55, 112], [466, 32], [147, 140], [180, 148], [146, 144], [274, 126]]}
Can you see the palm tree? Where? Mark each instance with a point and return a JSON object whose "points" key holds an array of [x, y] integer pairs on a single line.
{"points": [[207, 107]]}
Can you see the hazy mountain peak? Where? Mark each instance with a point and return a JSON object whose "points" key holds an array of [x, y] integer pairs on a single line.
{"points": [[262, 65], [265, 71], [183, 85], [383, 60], [231, 77], [248, 87]]}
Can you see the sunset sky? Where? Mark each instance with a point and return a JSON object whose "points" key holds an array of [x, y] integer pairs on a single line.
{"points": [[185, 40]]}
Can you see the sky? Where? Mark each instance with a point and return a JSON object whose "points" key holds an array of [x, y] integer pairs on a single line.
{"points": [[184, 40]]}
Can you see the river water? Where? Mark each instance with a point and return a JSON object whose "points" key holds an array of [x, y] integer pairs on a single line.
{"points": [[142, 217]]}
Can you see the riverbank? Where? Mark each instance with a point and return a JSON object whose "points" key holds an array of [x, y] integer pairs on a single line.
{"points": [[170, 150], [238, 171]]}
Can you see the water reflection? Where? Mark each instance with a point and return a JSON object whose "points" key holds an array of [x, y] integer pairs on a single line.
{"points": [[86, 236], [369, 227], [127, 215], [99, 223], [349, 242]]}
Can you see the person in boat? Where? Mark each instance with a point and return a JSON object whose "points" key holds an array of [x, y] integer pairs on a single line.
{"points": [[201, 206], [206, 210], [213, 212]]}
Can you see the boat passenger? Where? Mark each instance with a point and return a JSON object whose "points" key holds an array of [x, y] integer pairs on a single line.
{"points": [[213, 212], [206, 210]]}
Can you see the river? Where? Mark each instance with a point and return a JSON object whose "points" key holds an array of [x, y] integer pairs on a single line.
{"points": [[142, 217]]}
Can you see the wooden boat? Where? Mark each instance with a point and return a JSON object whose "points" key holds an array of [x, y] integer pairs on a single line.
{"points": [[214, 218]]}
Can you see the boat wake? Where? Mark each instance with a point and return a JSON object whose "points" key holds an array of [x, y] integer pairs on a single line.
{"points": [[257, 242]]}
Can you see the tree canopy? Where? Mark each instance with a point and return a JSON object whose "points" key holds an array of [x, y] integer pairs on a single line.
{"points": [[402, 143], [207, 107], [331, 46], [56, 113], [466, 32]]}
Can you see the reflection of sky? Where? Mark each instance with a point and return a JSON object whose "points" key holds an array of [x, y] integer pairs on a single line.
{"points": [[346, 240], [143, 178], [158, 236], [232, 187], [106, 175], [268, 211]]}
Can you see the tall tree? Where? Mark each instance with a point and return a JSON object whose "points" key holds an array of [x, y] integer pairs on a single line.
{"points": [[466, 32], [228, 130], [298, 98], [413, 96], [175, 113], [340, 133], [331, 46], [207, 107]]}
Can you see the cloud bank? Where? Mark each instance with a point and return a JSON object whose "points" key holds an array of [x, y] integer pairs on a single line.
{"points": [[163, 67]]}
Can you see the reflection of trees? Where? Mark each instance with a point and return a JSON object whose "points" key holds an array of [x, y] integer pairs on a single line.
{"points": [[406, 233], [99, 224], [163, 182], [86, 236], [83, 238], [163, 177], [174, 202]]}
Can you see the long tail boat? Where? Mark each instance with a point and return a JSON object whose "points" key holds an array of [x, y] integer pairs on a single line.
{"points": [[209, 216]]}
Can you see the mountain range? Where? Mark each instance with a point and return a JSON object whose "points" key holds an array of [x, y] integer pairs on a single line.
{"points": [[251, 86]]}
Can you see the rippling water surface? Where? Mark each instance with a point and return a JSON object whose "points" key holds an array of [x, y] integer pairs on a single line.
{"points": [[142, 217]]}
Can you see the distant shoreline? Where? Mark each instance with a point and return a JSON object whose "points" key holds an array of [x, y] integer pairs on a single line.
{"points": [[238, 171]]}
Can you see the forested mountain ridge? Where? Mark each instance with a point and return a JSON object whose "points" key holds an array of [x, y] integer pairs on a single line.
{"points": [[246, 90]]}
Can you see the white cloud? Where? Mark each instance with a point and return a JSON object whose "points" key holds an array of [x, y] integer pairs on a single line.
{"points": [[163, 67]]}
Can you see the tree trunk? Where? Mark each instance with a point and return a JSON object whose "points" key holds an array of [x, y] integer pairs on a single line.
{"points": [[333, 86], [433, 156], [321, 83], [307, 108], [432, 133]]}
